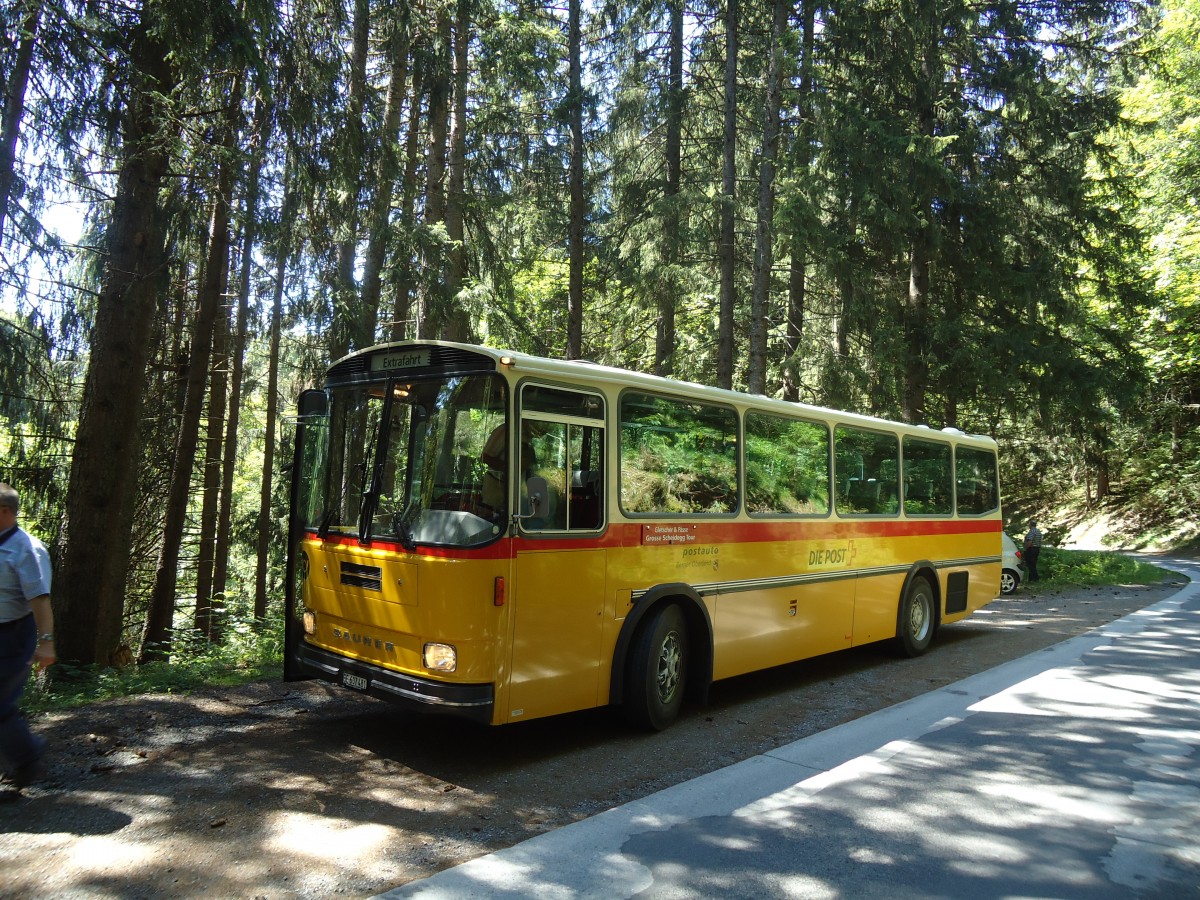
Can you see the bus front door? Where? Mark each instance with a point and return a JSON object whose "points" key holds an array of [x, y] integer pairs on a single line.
{"points": [[558, 572], [557, 604]]}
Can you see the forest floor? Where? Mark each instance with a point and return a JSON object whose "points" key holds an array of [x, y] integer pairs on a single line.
{"points": [[304, 790]]}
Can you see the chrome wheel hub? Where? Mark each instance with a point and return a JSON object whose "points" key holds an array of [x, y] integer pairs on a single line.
{"points": [[670, 664]]}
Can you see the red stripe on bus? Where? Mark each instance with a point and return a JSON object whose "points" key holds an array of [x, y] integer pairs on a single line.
{"points": [[630, 534]]}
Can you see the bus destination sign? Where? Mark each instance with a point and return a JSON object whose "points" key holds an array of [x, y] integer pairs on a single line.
{"points": [[668, 534], [399, 359]]}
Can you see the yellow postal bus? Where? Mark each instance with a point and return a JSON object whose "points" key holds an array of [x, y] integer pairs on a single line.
{"points": [[503, 537]]}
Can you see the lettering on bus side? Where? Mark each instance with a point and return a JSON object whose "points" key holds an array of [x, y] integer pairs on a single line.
{"points": [[699, 557], [659, 534], [829, 556]]}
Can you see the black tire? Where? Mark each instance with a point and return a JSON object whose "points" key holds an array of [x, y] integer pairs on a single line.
{"points": [[916, 618], [657, 670]]}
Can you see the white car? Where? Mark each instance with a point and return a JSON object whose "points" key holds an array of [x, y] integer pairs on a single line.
{"points": [[1013, 570]]}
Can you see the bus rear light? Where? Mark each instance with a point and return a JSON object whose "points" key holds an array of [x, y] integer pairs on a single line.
{"points": [[310, 622], [440, 657], [498, 593]]}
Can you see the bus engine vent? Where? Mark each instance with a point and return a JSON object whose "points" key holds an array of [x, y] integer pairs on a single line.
{"points": [[369, 577], [956, 591]]}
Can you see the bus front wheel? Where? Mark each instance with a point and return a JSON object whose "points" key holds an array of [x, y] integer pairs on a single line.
{"points": [[916, 618], [657, 671]]}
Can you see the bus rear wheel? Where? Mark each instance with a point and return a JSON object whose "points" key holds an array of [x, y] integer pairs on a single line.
{"points": [[657, 671], [916, 618]]}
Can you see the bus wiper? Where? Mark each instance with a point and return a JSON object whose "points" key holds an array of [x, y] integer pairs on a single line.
{"points": [[401, 530], [326, 521], [366, 513]]}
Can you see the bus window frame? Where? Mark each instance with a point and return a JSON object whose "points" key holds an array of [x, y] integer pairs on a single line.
{"points": [[896, 435], [990, 511], [519, 418], [738, 477], [948, 445], [745, 469]]}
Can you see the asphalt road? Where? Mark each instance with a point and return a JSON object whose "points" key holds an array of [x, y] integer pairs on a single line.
{"points": [[1068, 773]]}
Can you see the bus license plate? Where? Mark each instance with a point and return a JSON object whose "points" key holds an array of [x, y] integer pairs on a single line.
{"points": [[350, 680]]}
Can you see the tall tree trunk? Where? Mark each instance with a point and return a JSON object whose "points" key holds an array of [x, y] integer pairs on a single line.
{"points": [[262, 116], [237, 364], [668, 297], [402, 301], [847, 272], [263, 547], [916, 324], [384, 181], [176, 379], [352, 329], [725, 255], [797, 298], [214, 439], [575, 178], [433, 315], [798, 263], [156, 641], [915, 365], [14, 104], [847, 302], [89, 586], [760, 298], [458, 328]]}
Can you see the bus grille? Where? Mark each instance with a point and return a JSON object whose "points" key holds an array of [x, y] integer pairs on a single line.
{"points": [[369, 577]]}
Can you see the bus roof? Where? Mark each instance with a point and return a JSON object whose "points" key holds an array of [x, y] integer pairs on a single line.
{"points": [[588, 371]]}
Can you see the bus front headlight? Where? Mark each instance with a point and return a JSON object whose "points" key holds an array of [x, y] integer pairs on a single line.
{"points": [[440, 657], [310, 622]]}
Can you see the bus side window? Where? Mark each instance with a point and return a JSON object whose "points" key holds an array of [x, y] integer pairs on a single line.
{"points": [[541, 477], [867, 464], [587, 479], [678, 456], [976, 484], [928, 478], [565, 430]]}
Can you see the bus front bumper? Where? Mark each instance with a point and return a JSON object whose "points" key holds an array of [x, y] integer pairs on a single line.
{"points": [[465, 701]]}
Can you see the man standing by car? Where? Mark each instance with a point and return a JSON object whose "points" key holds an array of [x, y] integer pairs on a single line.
{"points": [[1033, 546], [26, 635]]}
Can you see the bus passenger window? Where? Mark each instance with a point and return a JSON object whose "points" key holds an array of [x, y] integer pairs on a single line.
{"points": [[976, 484], [677, 456], [541, 478], [564, 431], [787, 466], [928, 478], [867, 469]]}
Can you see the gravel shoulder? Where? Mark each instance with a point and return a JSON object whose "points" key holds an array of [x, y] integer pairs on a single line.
{"points": [[304, 790]]}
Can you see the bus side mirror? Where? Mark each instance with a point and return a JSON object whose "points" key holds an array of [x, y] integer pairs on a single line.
{"points": [[313, 403]]}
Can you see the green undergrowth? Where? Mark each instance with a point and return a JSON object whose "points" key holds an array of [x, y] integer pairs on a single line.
{"points": [[244, 655], [1092, 568]]}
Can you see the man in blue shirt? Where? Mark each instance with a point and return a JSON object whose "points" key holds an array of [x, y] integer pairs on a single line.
{"points": [[26, 635]]}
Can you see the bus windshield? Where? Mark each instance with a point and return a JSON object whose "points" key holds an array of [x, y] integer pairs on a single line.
{"points": [[410, 461]]}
